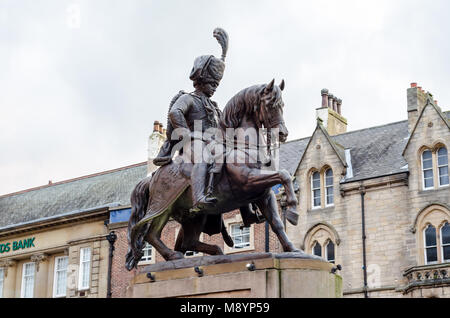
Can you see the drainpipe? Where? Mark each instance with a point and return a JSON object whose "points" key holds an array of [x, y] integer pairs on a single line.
{"points": [[111, 237], [363, 222]]}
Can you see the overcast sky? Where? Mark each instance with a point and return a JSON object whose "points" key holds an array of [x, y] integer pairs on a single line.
{"points": [[79, 93]]}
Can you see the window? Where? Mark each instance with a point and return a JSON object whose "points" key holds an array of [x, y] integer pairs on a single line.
{"points": [[427, 167], [85, 268], [60, 278], [322, 190], [315, 189], [329, 187], [241, 237], [430, 245], [317, 249], [442, 158], [148, 253], [329, 252], [27, 290], [445, 242], [2, 278]]}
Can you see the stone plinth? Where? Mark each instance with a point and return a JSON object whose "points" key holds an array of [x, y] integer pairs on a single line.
{"points": [[260, 275]]}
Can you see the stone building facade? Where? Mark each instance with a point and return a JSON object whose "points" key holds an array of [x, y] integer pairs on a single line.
{"points": [[375, 201], [364, 200]]}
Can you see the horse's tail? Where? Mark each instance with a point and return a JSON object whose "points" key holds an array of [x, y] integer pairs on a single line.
{"points": [[139, 202]]}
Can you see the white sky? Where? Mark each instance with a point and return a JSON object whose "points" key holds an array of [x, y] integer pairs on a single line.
{"points": [[79, 96]]}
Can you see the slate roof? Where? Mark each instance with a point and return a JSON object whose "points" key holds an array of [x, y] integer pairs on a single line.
{"points": [[109, 188]]}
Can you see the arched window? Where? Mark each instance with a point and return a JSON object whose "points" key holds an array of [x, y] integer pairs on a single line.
{"points": [[329, 252], [430, 245], [329, 187], [445, 242], [315, 189], [427, 168], [442, 158], [322, 189], [317, 249]]}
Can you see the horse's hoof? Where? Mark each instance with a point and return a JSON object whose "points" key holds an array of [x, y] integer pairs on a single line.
{"points": [[292, 216], [175, 256]]}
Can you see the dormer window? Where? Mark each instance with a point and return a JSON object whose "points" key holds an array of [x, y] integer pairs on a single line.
{"points": [[322, 189], [329, 187], [427, 167], [442, 159], [435, 163], [315, 189]]}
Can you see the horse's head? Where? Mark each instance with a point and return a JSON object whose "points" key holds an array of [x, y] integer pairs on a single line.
{"points": [[271, 109]]}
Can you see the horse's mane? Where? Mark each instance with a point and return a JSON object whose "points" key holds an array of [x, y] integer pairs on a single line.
{"points": [[240, 105]]}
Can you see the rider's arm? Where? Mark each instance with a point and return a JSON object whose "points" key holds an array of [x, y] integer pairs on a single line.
{"points": [[179, 111]]}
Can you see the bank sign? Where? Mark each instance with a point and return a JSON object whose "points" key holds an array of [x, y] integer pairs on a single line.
{"points": [[17, 245]]}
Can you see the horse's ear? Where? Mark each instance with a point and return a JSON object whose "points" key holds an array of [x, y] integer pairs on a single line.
{"points": [[282, 84], [269, 87]]}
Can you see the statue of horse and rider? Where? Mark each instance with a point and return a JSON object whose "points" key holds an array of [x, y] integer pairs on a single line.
{"points": [[212, 176]]}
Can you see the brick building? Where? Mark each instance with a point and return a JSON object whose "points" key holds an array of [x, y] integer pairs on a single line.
{"points": [[375, 201]]}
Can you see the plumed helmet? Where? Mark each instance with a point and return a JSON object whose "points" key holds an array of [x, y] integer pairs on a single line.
{"points": [[208, 68]]}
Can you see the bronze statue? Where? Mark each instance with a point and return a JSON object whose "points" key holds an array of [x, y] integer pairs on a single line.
{"points": [[239, 184], [186, 108]]}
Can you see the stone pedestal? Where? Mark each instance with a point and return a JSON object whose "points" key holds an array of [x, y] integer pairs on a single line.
{"points": [[261, 275]]}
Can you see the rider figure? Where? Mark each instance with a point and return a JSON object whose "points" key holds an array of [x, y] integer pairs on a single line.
{"points": [[189, 109]]}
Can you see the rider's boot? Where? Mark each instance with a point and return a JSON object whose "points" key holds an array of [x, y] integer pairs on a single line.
{"points": [[200, 200]]}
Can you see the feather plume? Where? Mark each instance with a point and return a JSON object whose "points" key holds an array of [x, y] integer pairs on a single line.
{"points": [[222, 37]]}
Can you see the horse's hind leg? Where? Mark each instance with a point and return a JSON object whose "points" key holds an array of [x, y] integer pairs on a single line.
{"points": [[189, 239], [154, 238], [268, 207]]}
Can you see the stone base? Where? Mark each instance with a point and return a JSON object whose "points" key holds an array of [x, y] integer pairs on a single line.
{"points": [[287, 275]]}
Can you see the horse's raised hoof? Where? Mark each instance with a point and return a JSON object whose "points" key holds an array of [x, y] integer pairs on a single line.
{"points": [[175, 255], [292, 216]]}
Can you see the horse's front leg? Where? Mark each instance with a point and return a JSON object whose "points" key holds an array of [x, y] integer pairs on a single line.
{"points": [[269, 208], [256, 180]]}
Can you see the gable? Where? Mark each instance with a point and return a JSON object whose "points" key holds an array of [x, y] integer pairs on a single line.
{"points": [[431, 125], [322, 150]]}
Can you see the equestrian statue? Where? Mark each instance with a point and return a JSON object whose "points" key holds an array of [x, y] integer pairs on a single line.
{"points": [[204, 171]]}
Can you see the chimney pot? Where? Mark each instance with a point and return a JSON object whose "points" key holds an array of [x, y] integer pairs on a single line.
{"points": [[330, 101], [339, 104], [436, 102], [160, 128], [413, 85], [335, 104], [324, 93]]}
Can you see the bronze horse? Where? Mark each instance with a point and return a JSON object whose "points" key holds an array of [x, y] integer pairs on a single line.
{"points": [[239, 185]]}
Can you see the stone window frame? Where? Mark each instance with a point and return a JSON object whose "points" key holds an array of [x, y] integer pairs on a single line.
{"points": [[438, 166], [2, 281], [22, 285], [79, 287], [323, 187], [425, 246], [327, 234], [237, 219], [437, 215], [54, 295], [435, 166], [325, 248], [442, 243], [153, 256]]}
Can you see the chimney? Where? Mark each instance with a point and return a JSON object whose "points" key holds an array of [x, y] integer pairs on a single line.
{"points": [[330, 101], [324, 93], [416, 100], [155, 141], [330, 114]]}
